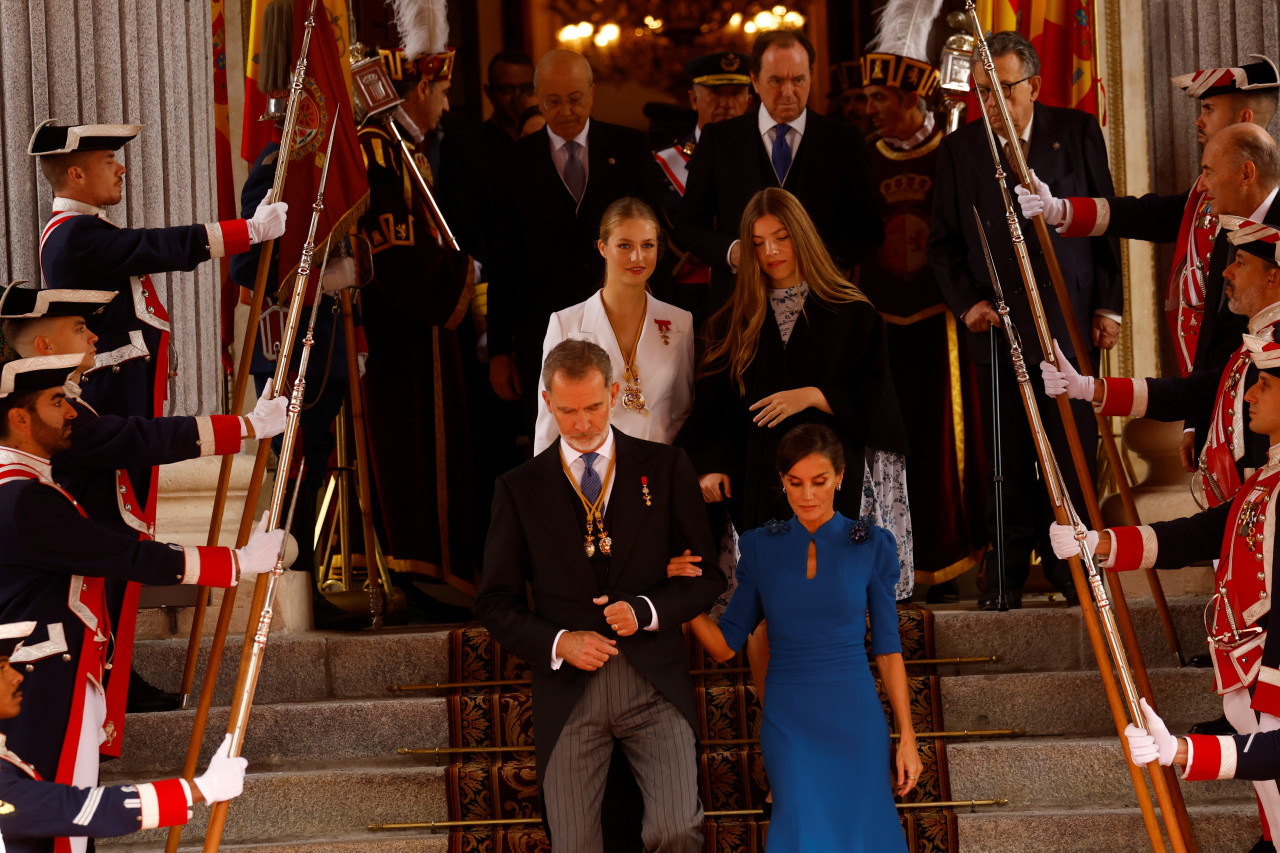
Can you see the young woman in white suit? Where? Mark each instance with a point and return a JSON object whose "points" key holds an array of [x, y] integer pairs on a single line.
{"points": [[650, 342]]}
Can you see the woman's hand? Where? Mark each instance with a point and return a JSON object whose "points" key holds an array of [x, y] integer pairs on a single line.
{"points": [[683, 566], [776, 408], [908, 764], [715, 487]]}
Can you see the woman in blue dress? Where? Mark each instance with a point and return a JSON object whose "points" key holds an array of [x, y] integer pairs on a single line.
{"points": [[824, 736]]}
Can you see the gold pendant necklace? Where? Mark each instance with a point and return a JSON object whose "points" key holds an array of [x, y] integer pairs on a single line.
{"points": [[594, 517], [632, 395]]}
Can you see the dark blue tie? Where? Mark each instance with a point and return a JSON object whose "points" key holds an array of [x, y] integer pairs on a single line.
{"points": [[590, 479], [781, 151]]}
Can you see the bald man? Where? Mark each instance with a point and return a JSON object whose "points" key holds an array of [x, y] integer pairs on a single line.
{"points": [[555, 188]]}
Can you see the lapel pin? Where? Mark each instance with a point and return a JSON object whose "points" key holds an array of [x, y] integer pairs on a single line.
{"points": [[1057, 146], [611, 161], [664, 329], [644, 490]]}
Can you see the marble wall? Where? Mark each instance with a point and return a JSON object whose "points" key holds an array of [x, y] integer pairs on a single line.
{"points": [[128, 61]]}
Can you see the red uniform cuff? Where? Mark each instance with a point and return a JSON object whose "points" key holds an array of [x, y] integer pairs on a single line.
{"points": [[209, 566], [1089, 217], [1210, 757], [1129, 547], [1266, 695], [228, 237], [164, 803], [219, 434]]}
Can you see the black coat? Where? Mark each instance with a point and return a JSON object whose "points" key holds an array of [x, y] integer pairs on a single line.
{"points": [[535, 542], [543, 254], [1068, 154], [841, 350], [830, 175]]}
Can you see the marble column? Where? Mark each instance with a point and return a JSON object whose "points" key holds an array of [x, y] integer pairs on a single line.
{"points": [[120, 61]]}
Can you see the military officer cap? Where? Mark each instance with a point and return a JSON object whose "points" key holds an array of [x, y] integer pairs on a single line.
{"points": [[1252, 237], [1265, 354], [52, 138], [39, 373], [1220, 81], [727, 68], [11, 635], [27, 303]]}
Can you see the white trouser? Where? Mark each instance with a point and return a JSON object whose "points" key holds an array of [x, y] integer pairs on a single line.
{"points": [[1235, 706], [85, 774]]}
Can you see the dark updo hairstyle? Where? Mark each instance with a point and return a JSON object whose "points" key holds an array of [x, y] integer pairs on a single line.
{"points": [[805, 440]]}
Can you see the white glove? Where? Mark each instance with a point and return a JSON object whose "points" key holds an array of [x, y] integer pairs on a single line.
{"points": [[1064, 378], [338, 274], [1063, 539], [361, 358], [1155, 744], [223, 779], [269, 414], [259, 554], [1041, 201], [268, 220]]}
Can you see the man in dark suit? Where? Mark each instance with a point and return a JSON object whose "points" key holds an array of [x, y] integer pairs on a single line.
{"points": [[1066, 150], [604, 640], [558, 183], [782, 144]]}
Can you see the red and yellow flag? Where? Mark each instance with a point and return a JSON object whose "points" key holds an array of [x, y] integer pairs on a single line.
{"points": [[256, 134], [325, 95], [1063, 33]]}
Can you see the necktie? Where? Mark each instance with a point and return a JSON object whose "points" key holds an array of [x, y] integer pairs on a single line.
{"points": [[590, 479], [574, 176], [781, 151], [1008, 151]]}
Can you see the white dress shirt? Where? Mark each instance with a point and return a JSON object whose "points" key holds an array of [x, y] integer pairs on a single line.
{"points": [[576, 464], [666, 368]]}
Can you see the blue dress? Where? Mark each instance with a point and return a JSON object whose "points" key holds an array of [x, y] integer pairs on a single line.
{"points": [[824, 735]]}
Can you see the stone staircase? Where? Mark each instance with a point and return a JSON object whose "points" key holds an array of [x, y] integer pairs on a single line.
{"points": [[1067, 785], [325, 727]]}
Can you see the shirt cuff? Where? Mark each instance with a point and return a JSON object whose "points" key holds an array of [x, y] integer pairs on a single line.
{"points": [[728, 256], [556, 660], [1110, 315], [653, 623]]}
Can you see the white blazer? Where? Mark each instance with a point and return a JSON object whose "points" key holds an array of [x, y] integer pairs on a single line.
{"points": [[666, 369]]}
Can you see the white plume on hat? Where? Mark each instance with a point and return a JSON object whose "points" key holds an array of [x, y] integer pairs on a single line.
{"points": [[423, 26], [904, 27]]}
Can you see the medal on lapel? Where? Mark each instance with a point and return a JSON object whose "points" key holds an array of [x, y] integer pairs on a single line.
{"points": [[664, 329], [644, 490], [595, 517]]}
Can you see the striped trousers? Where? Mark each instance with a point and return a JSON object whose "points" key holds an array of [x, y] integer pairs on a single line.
{"points": [[620, 703]]}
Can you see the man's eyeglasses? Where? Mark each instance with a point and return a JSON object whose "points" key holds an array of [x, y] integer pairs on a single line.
{"points": [[1005, 88], [509, 89]]}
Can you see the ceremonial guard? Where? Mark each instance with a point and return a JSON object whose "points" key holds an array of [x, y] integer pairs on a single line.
{"points": [[931, 372], [1240, 535], [1227, 96], [721, 90], [420, 293], [95, 468], [35, 812], [53, 564], [1229, 453]]}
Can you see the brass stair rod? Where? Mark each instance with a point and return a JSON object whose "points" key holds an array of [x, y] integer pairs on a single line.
{"points": [[733, 670], [462, 750], [514, 821]]}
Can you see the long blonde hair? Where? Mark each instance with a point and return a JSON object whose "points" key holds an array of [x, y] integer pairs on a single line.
{"points": [[734, 330]]}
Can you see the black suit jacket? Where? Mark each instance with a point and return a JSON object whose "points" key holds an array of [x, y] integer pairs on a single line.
{"points": [[543, 254], [535, 542], [830, 175], [1068, 154]]}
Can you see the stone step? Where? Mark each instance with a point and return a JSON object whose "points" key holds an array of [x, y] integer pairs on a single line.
{"points": [[1062, 773], [1054, 638], [284, 733], [1034, 701], [1218, 829], [408, 841], [317, 802], [309, 667]]}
